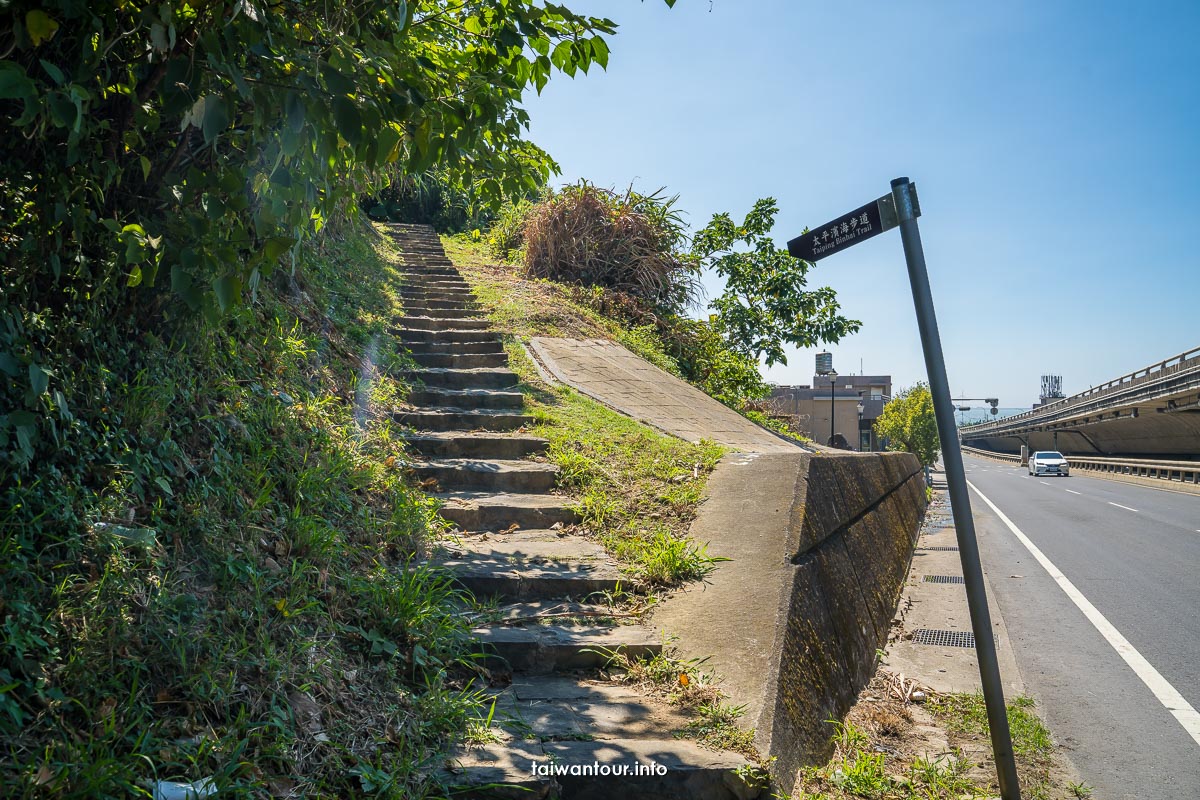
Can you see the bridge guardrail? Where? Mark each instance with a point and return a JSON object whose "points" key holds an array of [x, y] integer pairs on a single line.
{"points": [[1183, 475], [1186, 360]]}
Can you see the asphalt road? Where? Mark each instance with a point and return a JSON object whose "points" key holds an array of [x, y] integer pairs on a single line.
{"points": [[1134, 553]]}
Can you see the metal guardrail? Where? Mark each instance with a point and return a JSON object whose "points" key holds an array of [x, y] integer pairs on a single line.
{"points": [[1183, 362], [1179, 472]]}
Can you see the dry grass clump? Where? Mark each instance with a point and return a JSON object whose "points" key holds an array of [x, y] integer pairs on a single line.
{"points": [[629, 243]]}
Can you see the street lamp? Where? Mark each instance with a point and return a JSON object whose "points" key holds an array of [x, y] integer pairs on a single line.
{"points": [[860, 412], [832, 398]]}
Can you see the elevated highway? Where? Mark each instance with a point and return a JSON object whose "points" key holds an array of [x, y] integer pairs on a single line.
{"points": [[1154, 411]]}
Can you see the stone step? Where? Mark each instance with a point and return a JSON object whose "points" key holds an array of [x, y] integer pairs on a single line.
{"points": [[475, 445], [466, 398], [443, 313], [493, 346], [536, 612], [438, 284], [454, 474], [461, 360], [429, 269], [510, 578], [535, 543], [475, 378], [557, 648], [489, 511], [439, 303], [689, 771], [418, 292], [443, 323], [462, 419], [407, 335]]}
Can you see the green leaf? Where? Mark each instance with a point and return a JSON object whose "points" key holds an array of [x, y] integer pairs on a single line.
{"points": [[600, 51], [54, 72], [227, 288], [145, 162], [216, 117], [39, 379], [40, 26], [9, 365], [164, 485], [348, 119], [275, 247], [14, 83]]}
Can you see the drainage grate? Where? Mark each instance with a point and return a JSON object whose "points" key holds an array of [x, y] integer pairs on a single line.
{"points": [[944, 579], [943, 548], [944, 638]]}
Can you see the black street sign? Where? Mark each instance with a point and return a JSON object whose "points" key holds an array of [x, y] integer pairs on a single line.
{"points": [[859, 225]]}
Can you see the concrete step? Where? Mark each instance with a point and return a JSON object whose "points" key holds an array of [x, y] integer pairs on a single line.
{"points": [[439, 303], [461, 360], [462, 419], [443, 313], [407, 335], [430, 268], [556, 648], [477, 377], [497, 574], [443, 323], [489, 511], [438, 283], [475, 445], [536, 612], [450, 348], [420, 292], [691, 772], [467, 474], [544, 649], [466, 398]]}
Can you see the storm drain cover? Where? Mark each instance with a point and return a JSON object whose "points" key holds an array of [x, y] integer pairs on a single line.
{"points": [[944, 579], [943, 548], [944, 638]]}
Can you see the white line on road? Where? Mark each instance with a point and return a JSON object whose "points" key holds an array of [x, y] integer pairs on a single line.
{"points": [[1171, 699], [1118, 505], [1043, 483], [1072, 491]]}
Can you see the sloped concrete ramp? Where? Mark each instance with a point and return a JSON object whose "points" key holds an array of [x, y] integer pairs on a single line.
{"points": [[607, 372]]}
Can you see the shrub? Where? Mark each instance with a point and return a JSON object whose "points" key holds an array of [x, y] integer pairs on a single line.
{"points": [[627, 242], [507, 234]]}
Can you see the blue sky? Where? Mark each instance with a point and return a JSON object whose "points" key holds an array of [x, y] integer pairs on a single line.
{"points": [[1055, 146]]}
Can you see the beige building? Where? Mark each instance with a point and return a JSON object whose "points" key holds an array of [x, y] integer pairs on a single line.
{"points": [[855, 404]]}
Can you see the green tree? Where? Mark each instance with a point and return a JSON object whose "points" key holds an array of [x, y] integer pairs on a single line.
{"points": [[909, 424], [765, 303], [196, 146]]}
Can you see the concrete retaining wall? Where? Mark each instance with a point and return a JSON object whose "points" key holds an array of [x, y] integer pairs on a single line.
{"points": [[819, 548], [855, 519]]}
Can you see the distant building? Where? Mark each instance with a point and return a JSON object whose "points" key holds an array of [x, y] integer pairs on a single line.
{"points": [[809, 407]]}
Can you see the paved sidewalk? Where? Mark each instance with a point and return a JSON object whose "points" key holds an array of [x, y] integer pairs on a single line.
{"points": [[943, 607], [607, 372]]}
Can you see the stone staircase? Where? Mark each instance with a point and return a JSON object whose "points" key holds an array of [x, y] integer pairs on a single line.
{"points": [[514, 542]]}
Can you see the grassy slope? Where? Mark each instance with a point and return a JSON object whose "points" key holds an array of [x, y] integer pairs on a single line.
{"points": [[219, 588], [638, 489], [243, 612]]}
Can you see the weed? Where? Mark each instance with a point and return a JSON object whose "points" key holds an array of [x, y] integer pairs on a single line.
{"points": [[1080, 790]]}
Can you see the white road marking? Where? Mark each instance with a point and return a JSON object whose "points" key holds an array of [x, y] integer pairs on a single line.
{"points": [[1118, 505], [1043, 483], [1072, 491], [1171, 699]]}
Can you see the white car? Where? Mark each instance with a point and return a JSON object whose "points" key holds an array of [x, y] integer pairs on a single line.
{"points": [[1048, 462]]}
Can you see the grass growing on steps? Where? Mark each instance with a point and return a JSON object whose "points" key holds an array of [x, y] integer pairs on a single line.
{"points": [[208, 579]]}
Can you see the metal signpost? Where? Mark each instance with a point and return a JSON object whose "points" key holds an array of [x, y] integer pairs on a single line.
{"points": [[901, 209]]}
